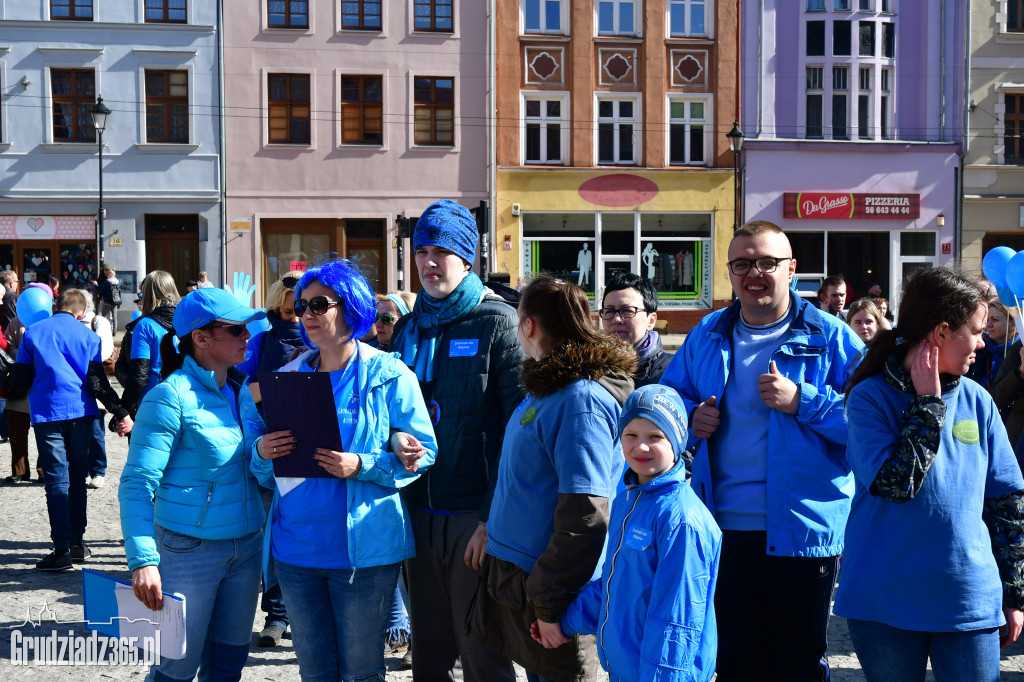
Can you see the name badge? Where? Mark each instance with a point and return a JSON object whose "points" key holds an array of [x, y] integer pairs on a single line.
{"points": [[463, 348], [638, 538]]}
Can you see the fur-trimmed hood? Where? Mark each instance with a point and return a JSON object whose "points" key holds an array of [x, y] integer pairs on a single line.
{"points": [[609, 362]]}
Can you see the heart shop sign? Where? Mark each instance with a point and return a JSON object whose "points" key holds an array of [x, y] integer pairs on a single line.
{"points": [[35, 227], [850, 206]]}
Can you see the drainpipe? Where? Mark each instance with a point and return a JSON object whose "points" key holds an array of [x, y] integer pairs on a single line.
{"points": [[760, 68], [942, 69], [222, 162], [958, 226], [492, 143]]}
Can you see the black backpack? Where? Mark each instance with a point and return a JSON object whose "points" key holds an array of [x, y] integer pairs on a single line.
{"points": [[115, 294]]}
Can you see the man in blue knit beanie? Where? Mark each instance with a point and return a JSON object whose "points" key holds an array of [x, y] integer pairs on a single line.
{"points": [[462, 343]]}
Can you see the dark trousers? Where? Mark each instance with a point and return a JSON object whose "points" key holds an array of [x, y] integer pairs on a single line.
{"points": [[18, 424], [64, 453], [772, 612]]}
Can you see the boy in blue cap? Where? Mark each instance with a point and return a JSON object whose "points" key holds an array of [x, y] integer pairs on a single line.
{"points": [[653, 608]]}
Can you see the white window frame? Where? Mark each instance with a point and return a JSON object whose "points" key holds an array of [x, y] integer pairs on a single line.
{"points": [[167, 60], [707, 122], [564, 130], [563, 14], [886, 103], [635, 121], [685, 6], [812, 91], [845, 92], [999, 127], [840, 5], [1005, 35], [616, 31], [141, 8], [815, 6]]}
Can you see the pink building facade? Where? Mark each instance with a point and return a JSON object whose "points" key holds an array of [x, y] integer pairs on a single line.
{"points": [[336, 123]]}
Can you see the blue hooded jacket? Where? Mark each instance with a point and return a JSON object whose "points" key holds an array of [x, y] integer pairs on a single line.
{"points": [[653, 608]]}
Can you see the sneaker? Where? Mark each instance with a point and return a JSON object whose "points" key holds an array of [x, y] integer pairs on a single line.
{"points": [[270, 636], [17, 480], [407, 659], [57, 560], [80, 552], [96, 482], [396, 644]]}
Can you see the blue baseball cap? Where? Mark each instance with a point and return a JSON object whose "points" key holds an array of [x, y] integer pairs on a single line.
{"points": [[201, 307]]}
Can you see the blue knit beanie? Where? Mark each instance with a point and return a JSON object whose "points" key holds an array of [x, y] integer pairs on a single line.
{"points": [[663, 406], [449, 225]]}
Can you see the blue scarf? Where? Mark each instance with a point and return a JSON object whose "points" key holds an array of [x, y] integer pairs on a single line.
{"points": [[429, 316]]}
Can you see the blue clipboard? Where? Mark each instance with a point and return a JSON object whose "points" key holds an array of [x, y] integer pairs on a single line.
{"points": [[110, 612], [302, 402]]}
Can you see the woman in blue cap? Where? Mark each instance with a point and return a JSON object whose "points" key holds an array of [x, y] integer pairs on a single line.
{"points": [[190, 507]]}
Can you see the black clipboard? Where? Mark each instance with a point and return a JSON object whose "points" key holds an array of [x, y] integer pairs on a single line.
{"points": [[302, 402]]}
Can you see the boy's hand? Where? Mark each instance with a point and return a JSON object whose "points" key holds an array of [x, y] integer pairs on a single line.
{"points": [[549, 635], [408, 450]]}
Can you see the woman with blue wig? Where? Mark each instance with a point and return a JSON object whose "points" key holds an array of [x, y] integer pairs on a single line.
{"points": [[338, 542]]}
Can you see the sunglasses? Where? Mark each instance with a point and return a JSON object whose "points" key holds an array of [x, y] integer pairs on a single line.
{"points": [[289, 282], [318, 304], [387, 318], [234, 329]]}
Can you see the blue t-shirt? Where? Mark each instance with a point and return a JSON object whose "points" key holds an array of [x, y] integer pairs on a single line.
{"points": [[567, 442], [926, 564], [146, 346], [229, 393], [311, 525], [59, 349], [738, 451]]}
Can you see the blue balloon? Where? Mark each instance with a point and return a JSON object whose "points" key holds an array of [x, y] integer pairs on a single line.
{"points": [[136, 314], [1006, 296], [1015, 275], [34, 305], [995, 263]]}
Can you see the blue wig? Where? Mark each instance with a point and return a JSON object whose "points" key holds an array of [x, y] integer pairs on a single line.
{"points": [[358, 303]]}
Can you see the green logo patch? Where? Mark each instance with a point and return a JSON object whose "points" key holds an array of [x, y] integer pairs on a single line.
{"points": [[527, 418], [966, 431]]}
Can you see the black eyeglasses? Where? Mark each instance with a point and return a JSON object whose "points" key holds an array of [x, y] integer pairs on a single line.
{"points": [[764, 264], [235, 329], [387, 318], [625, 312], [318, 304], [290, 281]]}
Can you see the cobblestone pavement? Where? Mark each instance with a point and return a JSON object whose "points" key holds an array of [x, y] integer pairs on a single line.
{"points": [[25, 592]]}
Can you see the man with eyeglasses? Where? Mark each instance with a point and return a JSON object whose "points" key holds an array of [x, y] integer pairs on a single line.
{"points": [[629, 310], [762, 381]]}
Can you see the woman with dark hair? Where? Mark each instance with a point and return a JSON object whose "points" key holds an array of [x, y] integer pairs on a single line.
{"points": [[934, 561], [190, 508], [560, 463], [337, 542]]}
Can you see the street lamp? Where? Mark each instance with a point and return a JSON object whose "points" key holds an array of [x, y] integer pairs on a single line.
{"points": [[100, 112], [736, 145]]}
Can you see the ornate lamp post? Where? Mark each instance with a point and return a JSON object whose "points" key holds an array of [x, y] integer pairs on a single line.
{"points": [[736, 145], [100, 112]]}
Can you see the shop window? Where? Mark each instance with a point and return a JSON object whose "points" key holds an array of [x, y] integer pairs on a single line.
{"points": [[289, 108], [167, 106], [889, 40], [545, 129], [562, 245], [1013, 132], [74, 95], [361, 15], [76, 10], [861, 257], [675, 254], [687, 17], [688, 128], [617, 17], [77, 265], [433, 15], [866, 42], [166, 11], [815, 38], [841, 38], [6, 256], [288, 13], [293, 245], [543, 16], [362, 110], [616, 128], [434, 106], [814, 101]]}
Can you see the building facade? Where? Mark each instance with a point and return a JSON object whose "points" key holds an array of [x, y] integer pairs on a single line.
{"points": [[342, 116], [853, 114], [155, 64], [611, 148], [993, 202]]}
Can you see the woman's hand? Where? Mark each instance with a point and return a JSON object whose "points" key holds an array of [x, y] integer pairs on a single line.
{"points": [[408, 450], [146, 586], [477, 546], [548, 635], [924, 369], [276, 444], [124, 427], [1009, 633], [338, 464]]}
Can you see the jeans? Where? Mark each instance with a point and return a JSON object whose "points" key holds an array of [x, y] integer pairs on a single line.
{"points": [[271, 602], [772, 612], [63, 452], [398, 618], [220, 580], [888, 653], [338, 617], [97, 463], [109, 311]]}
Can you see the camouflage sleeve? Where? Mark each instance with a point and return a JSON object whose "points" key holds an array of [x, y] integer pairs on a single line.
{"points": [[1004, 516], [902, 474]]}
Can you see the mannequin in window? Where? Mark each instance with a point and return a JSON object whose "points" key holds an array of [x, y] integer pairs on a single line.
{"points": [[649, 255], [584, 263]]}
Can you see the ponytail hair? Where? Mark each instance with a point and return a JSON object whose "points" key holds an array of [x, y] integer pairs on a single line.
{"points": [[172, 359], [562, 311], [932, 296]]}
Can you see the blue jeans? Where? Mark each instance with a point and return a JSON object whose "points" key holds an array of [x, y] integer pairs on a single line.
{"points": [[97, 464], [888, 653], [220, 580], [398, 618], [338, 616], [272, 603], [63, 452]]}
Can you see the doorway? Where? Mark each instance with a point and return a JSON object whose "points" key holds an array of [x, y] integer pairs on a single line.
{"points": [[172, 244]]}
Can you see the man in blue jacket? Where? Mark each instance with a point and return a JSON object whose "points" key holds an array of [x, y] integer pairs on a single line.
{"points": [[762, 381]]}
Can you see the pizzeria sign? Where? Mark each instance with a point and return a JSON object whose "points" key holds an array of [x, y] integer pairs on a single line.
{"points": [[850, 205]]}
